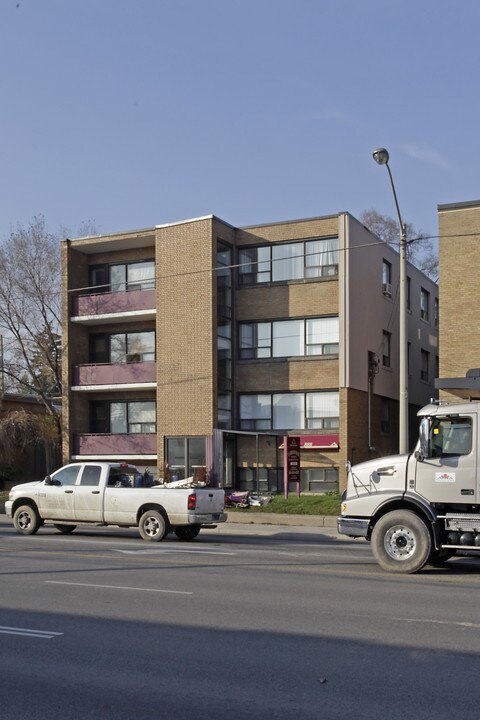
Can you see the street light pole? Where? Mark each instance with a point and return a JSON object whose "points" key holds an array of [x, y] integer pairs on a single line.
{"points": [[381, 157]]}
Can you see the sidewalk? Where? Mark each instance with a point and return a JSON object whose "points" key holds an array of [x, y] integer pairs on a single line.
{"points": [[265, 518]]}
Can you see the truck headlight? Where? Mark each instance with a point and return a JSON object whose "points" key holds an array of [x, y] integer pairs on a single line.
{"points": [[343, 508]]}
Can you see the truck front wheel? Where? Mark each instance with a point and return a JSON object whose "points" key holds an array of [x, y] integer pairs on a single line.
{"points": [[152, 526], [26, 520], [401, 542]]}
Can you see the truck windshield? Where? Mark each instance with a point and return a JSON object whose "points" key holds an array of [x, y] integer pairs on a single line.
{"points": [[451, 436]]}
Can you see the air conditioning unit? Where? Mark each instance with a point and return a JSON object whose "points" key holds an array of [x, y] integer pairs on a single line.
{"points": [[387, 289]]}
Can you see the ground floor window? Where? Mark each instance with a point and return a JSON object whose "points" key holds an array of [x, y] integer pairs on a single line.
{"points": [[319, 480], [186, 457]]}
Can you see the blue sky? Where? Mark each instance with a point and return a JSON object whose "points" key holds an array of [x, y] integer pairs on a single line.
{"points": [[130, 113]]}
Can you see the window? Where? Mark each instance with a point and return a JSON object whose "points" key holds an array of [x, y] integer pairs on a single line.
{"points": [[186, 456], [67, 475], [451, 436], [289, 338], [288, 411], [224, 334], [385, 425], [122, 277], [387, 278], [136, 416], [386, 349], [91, 475], [289, 261], [123, 347], [319, 480], [436, 310], [424, 303], [424, 364]]}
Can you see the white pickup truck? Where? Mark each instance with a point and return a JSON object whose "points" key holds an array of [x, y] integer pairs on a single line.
{"points": [[101, 493]]}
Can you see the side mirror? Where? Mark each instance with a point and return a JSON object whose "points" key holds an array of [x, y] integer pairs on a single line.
{"points": [[425, 449], [48, 480]]}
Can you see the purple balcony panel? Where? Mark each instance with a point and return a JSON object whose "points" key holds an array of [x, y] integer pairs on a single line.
{"points": [[114, 374], [103, 444], [116, 302]]}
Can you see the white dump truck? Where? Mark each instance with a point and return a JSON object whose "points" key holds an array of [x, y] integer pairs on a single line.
{"points": [[422, 507], [101, 493]]}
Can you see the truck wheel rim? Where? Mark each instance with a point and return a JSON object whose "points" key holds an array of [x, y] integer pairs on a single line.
{"points": [[152, 526], [400, 542], [24, 520]]}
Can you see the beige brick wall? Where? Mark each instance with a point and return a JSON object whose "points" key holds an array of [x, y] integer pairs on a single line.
{"points": [[459, 291], [186, 336]]}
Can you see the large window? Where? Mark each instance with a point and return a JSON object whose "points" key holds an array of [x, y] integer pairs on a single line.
{"points": [[289, 411], [136, 416], [121, 277], [224, 335], [288, 261], [123, 347], [186, 456], [289, 338]]}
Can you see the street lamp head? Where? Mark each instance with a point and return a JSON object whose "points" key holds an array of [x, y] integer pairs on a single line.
{"points": [[381, 156]]}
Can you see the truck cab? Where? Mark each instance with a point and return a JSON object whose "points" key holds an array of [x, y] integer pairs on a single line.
{"points": [[424, 506]]}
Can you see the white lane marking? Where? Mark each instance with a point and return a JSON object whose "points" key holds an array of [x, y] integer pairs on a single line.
{"points": [[28, 632], [161, 550], [118, 587], [456, 623]]}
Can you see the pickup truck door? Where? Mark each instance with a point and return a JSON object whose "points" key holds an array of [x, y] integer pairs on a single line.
{"points": [[450, 475], [55, 501], [88, 495]]}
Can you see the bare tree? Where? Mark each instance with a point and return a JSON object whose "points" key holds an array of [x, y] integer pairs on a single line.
{"points": [[420, 248], [30, 312]]}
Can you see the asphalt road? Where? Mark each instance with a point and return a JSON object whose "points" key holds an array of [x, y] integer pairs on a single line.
{"points": [[244, 622]]}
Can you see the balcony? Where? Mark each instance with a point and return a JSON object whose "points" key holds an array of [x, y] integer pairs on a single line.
{"points": [[106, 376], [125, 446], [102, 308]]}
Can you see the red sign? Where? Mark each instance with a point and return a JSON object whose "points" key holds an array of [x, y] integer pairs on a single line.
{"points": [[317, 442]]}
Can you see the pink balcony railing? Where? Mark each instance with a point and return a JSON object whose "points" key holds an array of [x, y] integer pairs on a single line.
{"points": [[114, 374], [127, 444], [114, 302]]}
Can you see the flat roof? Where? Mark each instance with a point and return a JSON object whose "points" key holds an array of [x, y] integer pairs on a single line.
{"points": [[459, 205]]}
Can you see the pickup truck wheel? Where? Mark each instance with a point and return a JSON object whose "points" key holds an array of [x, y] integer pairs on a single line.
{"points": [[65, 529], [187, 532], [153, 526], [401, 542], [26, 520]]}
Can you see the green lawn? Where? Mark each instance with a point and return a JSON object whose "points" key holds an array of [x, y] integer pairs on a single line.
{"points": [[328, 504]]}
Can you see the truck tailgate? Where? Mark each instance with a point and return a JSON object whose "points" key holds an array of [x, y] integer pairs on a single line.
{"points": [[209, 500]]}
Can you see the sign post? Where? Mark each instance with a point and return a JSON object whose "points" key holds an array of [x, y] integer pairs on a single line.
{"points": [[291, 462]]}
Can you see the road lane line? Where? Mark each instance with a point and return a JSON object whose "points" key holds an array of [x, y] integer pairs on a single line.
{"points": [[118, 587], [162, 551], [28, 632]]}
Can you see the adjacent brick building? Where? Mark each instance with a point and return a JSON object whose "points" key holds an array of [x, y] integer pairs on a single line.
{"points": [[459, 233], [197, 346]]}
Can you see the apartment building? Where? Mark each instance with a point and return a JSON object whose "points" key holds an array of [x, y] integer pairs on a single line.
{"points": [[197, 346], [459, 237]]}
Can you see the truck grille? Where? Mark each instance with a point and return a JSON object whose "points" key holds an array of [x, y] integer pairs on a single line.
{"points": [[462, 522]]}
